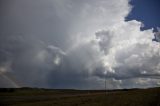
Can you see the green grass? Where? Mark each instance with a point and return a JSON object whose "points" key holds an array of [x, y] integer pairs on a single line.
{"points": [[43, 97]]}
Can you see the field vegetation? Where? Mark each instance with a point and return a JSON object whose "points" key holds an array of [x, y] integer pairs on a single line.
{"points": [[69, 97]]}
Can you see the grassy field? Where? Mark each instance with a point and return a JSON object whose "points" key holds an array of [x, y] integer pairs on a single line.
{"points": [[49, 97]]}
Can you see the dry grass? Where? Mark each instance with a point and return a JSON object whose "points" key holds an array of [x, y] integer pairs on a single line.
{"points": [[41, 97]]}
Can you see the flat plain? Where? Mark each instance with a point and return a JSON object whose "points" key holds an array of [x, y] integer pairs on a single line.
{"points": [[69, 97]]}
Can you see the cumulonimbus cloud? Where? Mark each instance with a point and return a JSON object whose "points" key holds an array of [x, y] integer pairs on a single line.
{"points": [[76, 44]]}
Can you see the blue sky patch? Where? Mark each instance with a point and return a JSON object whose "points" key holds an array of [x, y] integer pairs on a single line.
{"points": [[146, 11]]}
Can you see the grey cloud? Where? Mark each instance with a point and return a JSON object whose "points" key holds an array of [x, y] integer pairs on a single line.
{"points": [[72, 43], [105, 39], [133, 58]]}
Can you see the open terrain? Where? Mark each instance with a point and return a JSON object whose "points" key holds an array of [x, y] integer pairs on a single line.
{"points": [[56, 97]]}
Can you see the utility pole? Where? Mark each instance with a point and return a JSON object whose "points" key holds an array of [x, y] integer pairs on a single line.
{"points": [[105, 85]]}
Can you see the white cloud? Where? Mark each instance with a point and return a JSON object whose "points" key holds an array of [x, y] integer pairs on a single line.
{"points": [[131, 52], [86, 38]]}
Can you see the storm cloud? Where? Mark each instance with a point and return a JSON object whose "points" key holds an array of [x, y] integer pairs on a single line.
{"points": [[75, 44]]}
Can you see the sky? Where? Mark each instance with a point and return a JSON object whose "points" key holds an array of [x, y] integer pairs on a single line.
{"points": [[77, 44], [146, 11]]}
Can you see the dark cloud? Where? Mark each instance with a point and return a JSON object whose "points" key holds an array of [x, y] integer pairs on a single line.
{"points": [[73, 44]]}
